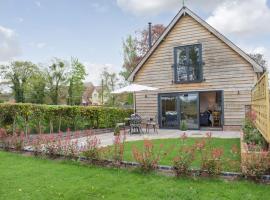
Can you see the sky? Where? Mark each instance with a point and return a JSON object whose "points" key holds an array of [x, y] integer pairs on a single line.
{"points": [[93, 30]]}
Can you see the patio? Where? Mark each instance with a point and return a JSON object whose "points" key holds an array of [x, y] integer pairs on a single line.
{"points": [[107, 138]]}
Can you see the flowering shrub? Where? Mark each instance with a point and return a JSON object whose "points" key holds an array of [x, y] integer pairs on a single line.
{"points": [[211, 158], [119, 147], [252, 135], [256, 164], [4, 139], [14, 141], [90, 149], [148, 158], [185, 156]]}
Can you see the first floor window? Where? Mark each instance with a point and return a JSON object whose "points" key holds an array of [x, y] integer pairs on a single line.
{"points": [[188, 63]]}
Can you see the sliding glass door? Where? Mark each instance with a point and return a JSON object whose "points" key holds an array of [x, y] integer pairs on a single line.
{"points": [[179, 108], [168, 114], [189, 110]]}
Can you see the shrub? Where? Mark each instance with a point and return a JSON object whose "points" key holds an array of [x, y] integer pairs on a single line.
{"points": [[185, 156], [4, 139], [211, 158], [183, 125], [116, 131], [119, 147], [32, 118], [256, 164], [148, 158], [14, 141], [252, 135], [91, 149]]}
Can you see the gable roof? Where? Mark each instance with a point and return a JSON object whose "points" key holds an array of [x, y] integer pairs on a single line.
{"points": [[185, 11]]}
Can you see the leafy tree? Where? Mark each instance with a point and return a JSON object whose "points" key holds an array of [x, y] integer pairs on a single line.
{"points": [[36, 88], [131, 56], [109, 82], [143, 36], [18, 73], [56, 77], [76, 79], [259, 58]]}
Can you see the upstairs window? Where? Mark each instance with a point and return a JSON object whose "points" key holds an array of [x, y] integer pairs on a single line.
{"points": [[188, 63]]}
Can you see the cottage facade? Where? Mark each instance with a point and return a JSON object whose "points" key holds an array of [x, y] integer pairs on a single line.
{"points": [[203, 79]]}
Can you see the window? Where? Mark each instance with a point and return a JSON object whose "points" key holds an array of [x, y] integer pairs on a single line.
{"points": [[188, 63]]}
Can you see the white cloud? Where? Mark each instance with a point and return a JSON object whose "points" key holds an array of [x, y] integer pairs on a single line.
{"points": [[241, 17], [148, 7], [94, 71], [9, 44], [154, 7]]}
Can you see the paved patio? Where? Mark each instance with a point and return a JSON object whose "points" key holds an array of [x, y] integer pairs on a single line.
{"points": [[107, 138]]}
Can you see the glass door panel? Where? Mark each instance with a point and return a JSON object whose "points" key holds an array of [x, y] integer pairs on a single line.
{"points": [[169, 115], [189, 112]]}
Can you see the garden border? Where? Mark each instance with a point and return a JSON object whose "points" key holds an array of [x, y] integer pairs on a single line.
{"points": [[165, 169]]}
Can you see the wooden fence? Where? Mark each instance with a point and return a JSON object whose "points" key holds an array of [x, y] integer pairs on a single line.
{"points": [[260, 105]]}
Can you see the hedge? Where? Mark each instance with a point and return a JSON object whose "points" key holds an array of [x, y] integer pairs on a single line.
{"points": [[33, 118]]}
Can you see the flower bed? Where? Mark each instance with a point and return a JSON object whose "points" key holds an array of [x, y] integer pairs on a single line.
{"points": [[210, 158], [255, 162]]}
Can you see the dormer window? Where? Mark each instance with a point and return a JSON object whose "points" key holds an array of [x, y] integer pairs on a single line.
{"points": [[188, 63]]}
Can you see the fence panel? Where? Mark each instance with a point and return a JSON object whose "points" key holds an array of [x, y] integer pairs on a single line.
{"points": [[260, 105]]}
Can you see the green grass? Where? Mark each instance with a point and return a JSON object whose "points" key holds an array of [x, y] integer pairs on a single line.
{"points": [[33, 178], [226, 144]]}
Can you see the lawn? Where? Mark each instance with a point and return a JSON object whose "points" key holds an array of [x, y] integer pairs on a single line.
{"points": [[33, 178], [226, 144]]}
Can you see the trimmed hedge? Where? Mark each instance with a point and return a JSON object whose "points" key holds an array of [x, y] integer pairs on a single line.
{"points": [[33, 118]]}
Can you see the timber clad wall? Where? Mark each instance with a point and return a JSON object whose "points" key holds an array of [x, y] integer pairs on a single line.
{"points": [[223, 69]]}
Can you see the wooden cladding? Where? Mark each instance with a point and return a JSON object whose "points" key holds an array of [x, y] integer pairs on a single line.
{"points": [[260, 105]]}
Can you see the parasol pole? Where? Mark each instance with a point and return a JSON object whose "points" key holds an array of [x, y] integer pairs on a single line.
{"points": [[134, 102]]}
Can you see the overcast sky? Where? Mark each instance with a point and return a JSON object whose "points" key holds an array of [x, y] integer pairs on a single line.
{"points": [[93, 30]]}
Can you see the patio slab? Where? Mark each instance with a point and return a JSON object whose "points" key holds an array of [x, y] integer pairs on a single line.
{"points": [[107, 138]]}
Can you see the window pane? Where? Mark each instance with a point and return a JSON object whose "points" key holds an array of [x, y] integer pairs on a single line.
{"points": [[194, 62], [181, 64]]}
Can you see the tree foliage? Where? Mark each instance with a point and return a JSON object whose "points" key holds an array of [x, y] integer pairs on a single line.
{"points": [[76, 79], [259, 58], [56, 77], [18, 73], [109, 84]]}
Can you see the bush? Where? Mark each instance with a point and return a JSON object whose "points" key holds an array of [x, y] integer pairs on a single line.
{"points": [[185, 156], [33, 118], [91, 149], [252, 135], [148, 158], [211, 158], [256, 164], [183, 125]]}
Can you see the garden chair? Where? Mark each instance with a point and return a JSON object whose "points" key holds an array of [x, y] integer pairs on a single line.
{"points": [[151, 122], [135, 124]]}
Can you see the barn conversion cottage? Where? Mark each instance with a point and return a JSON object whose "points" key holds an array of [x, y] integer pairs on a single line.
{"points": [[204, 79]]}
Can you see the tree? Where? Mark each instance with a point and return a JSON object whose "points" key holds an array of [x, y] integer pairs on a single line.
{"points": [[259, 58], [56, 77], [18, 73], [76, 79], [143, 37], [109, 84], [36, 88], [131, 57], [134, 48]]}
